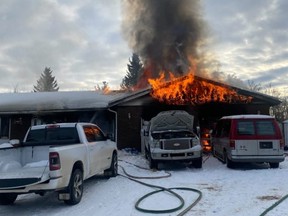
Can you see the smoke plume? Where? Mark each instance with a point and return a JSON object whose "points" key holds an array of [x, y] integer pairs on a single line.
{"points": [[166, 34]]}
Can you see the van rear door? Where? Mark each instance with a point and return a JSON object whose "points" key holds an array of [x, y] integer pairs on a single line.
{"points": [[257, 137], [268, 137], [245, 142]]}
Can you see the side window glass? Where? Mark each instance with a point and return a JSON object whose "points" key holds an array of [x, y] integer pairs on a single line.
{"points": [[89, 133], [265, 128], [226, 128], [218, 129], [245, 128], [99, 136]]}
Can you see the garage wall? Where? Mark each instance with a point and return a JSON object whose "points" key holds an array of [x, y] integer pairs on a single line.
{"points": [[129, 127]]}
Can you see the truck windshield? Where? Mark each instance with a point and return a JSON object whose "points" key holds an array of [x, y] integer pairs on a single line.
{"points": [[53, 135]]}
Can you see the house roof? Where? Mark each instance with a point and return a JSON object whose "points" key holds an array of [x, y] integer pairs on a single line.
{"points": [[258, 98], [34, 102]]}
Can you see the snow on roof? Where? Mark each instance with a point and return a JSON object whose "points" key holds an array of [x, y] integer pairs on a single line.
{"points": [[53, 101], [248, 116]]}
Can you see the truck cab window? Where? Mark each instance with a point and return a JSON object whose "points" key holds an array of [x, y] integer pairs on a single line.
{"points": [[93, 134]]}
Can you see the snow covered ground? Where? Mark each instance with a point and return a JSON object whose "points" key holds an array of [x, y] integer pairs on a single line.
{"points": [[246, 190]]}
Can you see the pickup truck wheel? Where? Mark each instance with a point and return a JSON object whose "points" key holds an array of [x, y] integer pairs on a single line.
{"points": [[113, 170], [152, 163], [197, 163], [7, 198], [274, 165], [75, 188]]}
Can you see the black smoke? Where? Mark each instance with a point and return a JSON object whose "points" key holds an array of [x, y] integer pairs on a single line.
{"points": [[164, 33]]}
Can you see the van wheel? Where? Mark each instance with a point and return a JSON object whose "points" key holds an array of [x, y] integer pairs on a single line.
{"points": [[75, 188], [113, 170], [274, 165], [8, 198], [197, 163], [230, 164]]}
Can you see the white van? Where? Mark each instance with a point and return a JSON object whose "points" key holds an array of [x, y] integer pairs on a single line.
{"points": [[248, 138]]}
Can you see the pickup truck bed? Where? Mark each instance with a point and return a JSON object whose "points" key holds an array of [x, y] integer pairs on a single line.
{"points": [[25, 166]]}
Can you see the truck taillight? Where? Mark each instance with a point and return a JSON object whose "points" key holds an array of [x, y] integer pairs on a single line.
{"points": [[232, 144], [54, 161]]}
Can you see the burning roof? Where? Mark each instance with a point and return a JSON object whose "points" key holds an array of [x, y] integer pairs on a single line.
{"points": [[194, 90], [170, 37]]}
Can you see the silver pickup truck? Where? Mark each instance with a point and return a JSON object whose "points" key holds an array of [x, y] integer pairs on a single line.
{"points": [[169, 136], [55, 157]]}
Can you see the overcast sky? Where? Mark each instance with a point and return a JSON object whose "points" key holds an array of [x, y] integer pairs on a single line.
{"points": [[81, 41]]}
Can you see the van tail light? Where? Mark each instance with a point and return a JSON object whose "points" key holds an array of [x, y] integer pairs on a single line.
{"points": [[54, 161], [232, 144], [281, 144]]}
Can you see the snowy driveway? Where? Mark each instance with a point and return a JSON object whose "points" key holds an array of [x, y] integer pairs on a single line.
{"points": [[246, 190]]}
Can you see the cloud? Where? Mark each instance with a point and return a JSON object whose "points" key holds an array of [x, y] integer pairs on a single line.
{"points": [[250, 38], [81, 41]]}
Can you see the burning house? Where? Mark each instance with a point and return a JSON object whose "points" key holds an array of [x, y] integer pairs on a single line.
{"points": [[169, 36]]}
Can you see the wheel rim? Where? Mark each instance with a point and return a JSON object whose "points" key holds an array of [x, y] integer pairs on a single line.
{"points": [[78, 186]]}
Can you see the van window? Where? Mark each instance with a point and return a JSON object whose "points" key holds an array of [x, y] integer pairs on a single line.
{"points": [[245, 128], [259, 127], [226, 128], [265, 128]]}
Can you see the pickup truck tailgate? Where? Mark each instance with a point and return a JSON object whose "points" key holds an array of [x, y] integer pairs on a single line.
{"points": [[21, 167]]}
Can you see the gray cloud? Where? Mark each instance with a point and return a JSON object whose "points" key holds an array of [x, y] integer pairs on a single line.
{"points": [[81, 41], [250, 38]]}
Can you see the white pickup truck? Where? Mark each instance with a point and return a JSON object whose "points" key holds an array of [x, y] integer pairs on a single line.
{"points": [[55, 157], [169, 136]]}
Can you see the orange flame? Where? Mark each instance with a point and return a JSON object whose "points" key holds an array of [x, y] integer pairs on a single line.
{"points": [[191, 90]]}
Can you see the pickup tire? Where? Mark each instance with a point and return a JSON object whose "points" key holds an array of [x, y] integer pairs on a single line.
{"points": [[152, 163], [75, 188], [113, 170], [197, 163], [8, 198], [274, 165]]}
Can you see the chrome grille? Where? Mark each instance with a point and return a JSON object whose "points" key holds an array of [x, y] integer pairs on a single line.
{"points": [[175, 144]]}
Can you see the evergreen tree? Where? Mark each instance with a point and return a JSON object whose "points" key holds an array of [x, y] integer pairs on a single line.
{"points": [[135, 68], [104, 89], [46, 82]]}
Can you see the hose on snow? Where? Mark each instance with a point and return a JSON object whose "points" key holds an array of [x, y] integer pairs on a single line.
{"points": [[274, 205], [161, 189]]}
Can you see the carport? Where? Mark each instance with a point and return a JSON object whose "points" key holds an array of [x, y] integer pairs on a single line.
{"points": [[139, 106]]}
